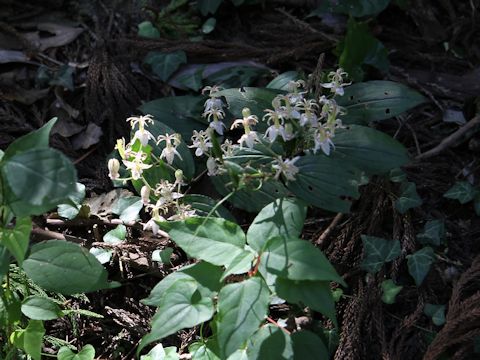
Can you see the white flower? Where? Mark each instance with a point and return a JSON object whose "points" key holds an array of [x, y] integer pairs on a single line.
{"points": [[136, 166], [165, 192], [170, 150], [145, 194], [274, 130], [286, 168], [218, 126], [113, 167], [142, 120], [249, 139], [143, 136], [201, 141], [213, 103], [323, 141], [227, 148], [336, 83], [184, 211], [308, 119], [212, 167], [152, 225]]}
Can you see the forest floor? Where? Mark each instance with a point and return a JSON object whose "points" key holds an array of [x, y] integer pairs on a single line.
{"points": [[433, 48]]}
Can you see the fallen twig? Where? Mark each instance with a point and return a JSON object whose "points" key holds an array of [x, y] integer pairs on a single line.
{"points": [[329, 229]]}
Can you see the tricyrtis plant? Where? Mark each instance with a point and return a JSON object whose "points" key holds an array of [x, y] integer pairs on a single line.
{"points": [[33, 179]]}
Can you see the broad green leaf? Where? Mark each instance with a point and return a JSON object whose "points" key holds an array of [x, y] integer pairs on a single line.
{"points": [[165, 64], [282, 81], [66, 268], [30, 339], [162, 256], [208, 6], [116, 236], [4, 262], [128, 208], [181, 113], [236, 76], [270, 343], [331, 340], [377, 100], [209, 25], [419, 264], [204, 204], [147, 30], [307, 345], [314, 294], [241, 264], [370, 150], [433, 232], [378, 251], [71, 209], [462, 191], [408, 198], [215, 240], [436, 313], [182, 306], [102, 255], [158, 352], [87, 353], [16, 240], [390, 291], [206, 275], [283, 217], [377, 56], [40, 308], [323, 183], [242, 307], [37, 139], [203, 351], [356, 8], [297, 259], [38, 180]]}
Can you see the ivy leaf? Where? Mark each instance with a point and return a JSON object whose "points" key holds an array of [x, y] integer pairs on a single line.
{"points": [[165, 64], [419, 264], [436, 313], [66, 268], [283, 217], [378, 251], [242, 307], [270, 343], [408, 198], [147, 30], [40, 308], [307, 345], [215, 240], [462, 191], [87, 353], [433, 233], [314, 294], [16, 240], [297, 259], [390, 291]]}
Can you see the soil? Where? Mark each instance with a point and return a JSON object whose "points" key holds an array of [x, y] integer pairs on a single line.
{"points": [[433, 48]]}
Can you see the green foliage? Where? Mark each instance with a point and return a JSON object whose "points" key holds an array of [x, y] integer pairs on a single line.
{"points": [[390, 291], [436, 313], [419, 264], [307, 345], [116, 236], [408, 198], [378, 251], [433, 233], [30, 339], [40, 308], [165, 64], [204, 204], [208, 6], [73, 208], [270, 343], [281, 82], [147, 30], [16, 240], [87, 353], [158, 352], [127, 208], [462, 191]]}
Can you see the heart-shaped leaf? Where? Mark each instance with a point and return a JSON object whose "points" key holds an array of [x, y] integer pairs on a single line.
{"points": [[462, 191], [40, 308], [87, 353], [16, 240], [378, 251], [419, 264]]}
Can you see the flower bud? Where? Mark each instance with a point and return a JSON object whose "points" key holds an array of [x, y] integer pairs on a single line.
{"points": [[113, 167], [145, 194], [246, 112], [179, 176]]}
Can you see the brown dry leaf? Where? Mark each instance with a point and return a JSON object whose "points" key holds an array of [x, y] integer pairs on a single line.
{"points": [[87, 138], [101, 205]]}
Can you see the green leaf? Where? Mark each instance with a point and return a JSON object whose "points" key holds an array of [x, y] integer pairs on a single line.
{"points": [[462, 191], [182, 306], [87, 353], [377, 100], [242, 307], [128, 208], [215, 240], [356, 8], [377, 56], [37, 139], [390, 291], [378, 251], [165, 64], [162, 256], [102, 255], [116, 236], [270, 343], [436, 313], [37, 180], [297, 259], [307, 345], [66, 268], [241, 264], [204, 204], [236, 76], [30, 339], [202, 351], [433, 233], [282, 81], [40, 308], [314, 294], [283, 217], [180, 113], [322, 182], [71, 209], [208, 6], [158, 352], [4, 262], [209, 25], [147, 30], [419, 264], [408, 198], [206, 275], [370, 150], [16, 240], [64, 77]]}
